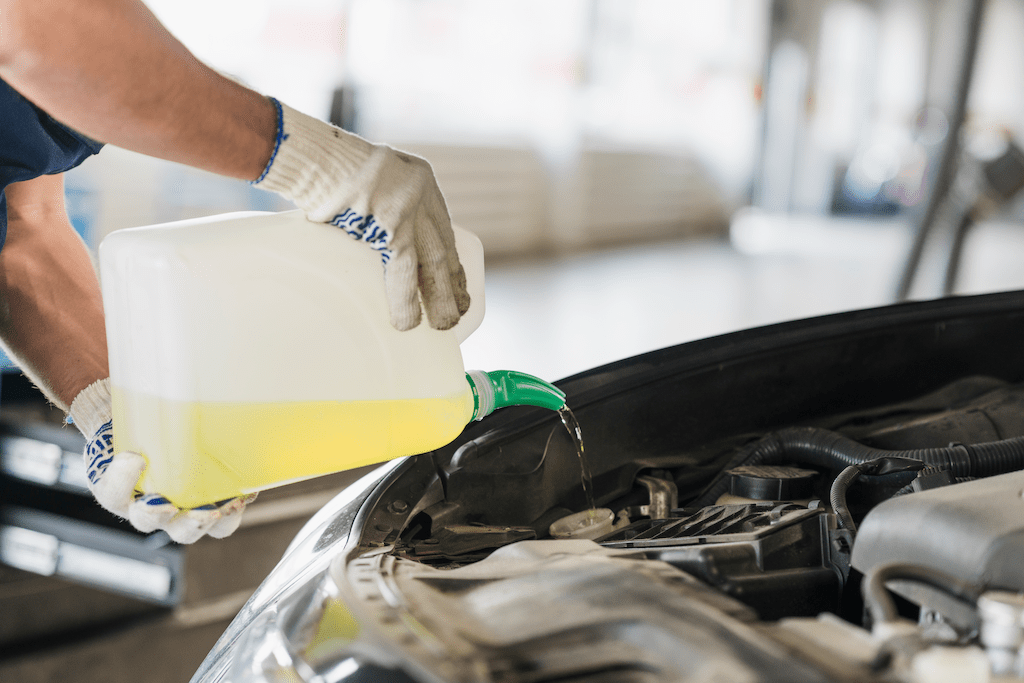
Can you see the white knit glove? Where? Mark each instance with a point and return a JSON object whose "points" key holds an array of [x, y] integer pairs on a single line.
{"points": [[388, 199], [113, 477]]}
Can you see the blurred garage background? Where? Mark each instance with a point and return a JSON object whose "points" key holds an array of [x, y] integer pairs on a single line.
{"points": [[641, 173]]}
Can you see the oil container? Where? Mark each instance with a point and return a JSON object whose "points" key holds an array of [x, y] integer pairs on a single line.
{"points": [[253, 349]]}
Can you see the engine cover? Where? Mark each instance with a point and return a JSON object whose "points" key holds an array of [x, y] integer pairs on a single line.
{"points": [[973, 531]]}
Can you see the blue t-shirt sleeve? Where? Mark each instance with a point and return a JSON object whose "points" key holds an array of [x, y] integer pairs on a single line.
{"points": [[32, 144]]}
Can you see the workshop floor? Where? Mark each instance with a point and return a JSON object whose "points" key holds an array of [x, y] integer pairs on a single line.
{"points": [[554, 317]]}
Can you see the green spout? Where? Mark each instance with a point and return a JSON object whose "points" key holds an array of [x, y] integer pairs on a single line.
{"points": [[501, 388]]}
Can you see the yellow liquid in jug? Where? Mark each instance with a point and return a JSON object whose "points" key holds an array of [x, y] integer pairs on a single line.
{"points": [[200, 453]]}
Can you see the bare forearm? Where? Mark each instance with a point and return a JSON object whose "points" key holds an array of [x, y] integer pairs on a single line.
{"points": [[110, 70], [51, 311]]}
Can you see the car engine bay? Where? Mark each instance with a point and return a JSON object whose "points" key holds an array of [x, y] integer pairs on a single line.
{"points": [[800, 531], [833, 499]]}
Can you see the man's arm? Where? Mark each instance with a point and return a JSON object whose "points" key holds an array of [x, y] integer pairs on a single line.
{"points": [[51, 310], [110, 70]]}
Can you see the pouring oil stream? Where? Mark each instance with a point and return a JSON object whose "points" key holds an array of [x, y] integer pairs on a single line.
{"points": [[573, 427], [500, 388]]}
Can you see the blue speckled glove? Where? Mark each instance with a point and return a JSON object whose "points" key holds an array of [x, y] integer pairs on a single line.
{"points": [[388, 199], [114, 476]]}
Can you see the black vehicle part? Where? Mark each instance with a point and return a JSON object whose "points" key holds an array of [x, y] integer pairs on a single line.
{"points": [[823, 448], [766, 482], [877, 467], [837, 498], [775, 558], [973, 532], [931, 478]]}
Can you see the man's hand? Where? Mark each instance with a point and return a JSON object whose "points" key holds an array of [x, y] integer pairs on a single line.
{"points": [[114, 476], [388, 199]]}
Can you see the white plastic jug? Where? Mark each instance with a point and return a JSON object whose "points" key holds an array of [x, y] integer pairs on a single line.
{"points": [[252, 349]]}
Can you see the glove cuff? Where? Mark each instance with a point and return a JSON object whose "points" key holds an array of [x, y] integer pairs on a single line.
{"points": [[310, 157], [91, 408]]}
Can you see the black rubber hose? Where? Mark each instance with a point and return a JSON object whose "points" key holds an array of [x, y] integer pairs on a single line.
{"points": [[872, 468], [833, 451], [882, 607], [837, 497]]}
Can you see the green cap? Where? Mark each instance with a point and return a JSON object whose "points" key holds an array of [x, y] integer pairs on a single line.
{"points": [[500, 388]]}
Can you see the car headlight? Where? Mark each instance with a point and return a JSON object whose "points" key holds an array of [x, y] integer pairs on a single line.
{"points": [[307, 634], [297, 611]]}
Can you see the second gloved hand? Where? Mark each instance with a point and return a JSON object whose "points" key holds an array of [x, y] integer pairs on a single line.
{"points": [[383, 197], [113, 477]]}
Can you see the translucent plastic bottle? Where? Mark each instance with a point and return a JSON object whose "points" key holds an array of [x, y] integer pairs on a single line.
{"points": [[250, 350]]}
